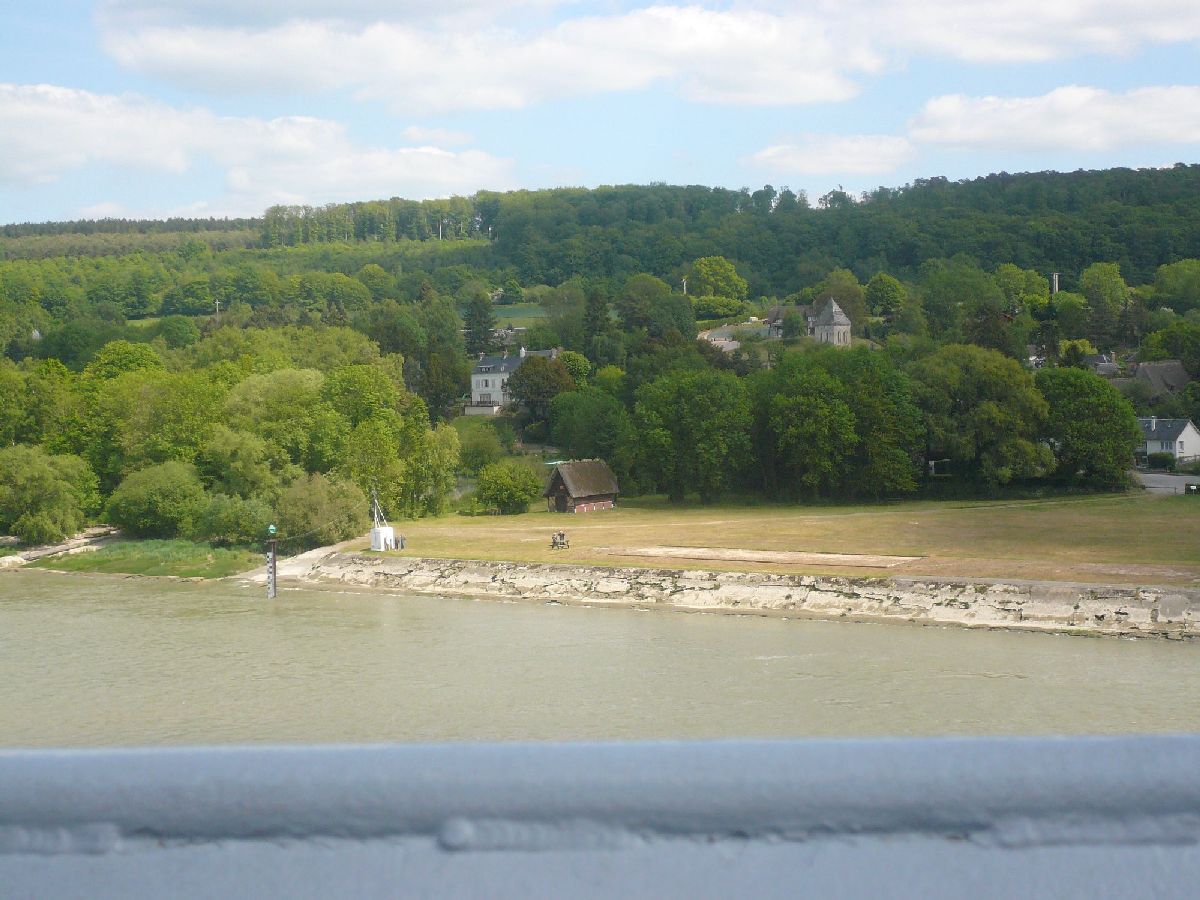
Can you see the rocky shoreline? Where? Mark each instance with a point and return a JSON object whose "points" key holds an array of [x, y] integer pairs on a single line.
{"points": [[1116, 610]]}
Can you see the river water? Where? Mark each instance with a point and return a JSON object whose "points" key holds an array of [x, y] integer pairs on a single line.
{"points": [[107, 660]]}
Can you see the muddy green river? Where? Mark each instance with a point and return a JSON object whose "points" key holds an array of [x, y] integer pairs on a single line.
{"points": [[108, 660]]}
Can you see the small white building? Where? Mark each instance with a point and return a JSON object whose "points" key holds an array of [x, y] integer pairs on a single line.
{"points": [[831, 325], [489, 380], [1175, 436]]}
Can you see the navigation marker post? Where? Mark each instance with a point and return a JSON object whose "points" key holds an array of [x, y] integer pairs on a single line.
{"points": [[272, 556]]}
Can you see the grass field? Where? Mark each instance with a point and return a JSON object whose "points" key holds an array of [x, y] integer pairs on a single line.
{"points": [[182, 558], [1108, 538], [518, 313]]}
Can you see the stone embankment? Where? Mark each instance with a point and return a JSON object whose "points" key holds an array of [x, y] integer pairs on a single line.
{"points": [[1157, 611]]}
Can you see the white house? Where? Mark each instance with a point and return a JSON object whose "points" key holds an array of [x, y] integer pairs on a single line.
{"points": [[489, 380], [1176, 436]]}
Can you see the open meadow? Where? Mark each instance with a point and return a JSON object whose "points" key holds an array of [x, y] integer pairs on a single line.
{"points": [[1101, 539]]}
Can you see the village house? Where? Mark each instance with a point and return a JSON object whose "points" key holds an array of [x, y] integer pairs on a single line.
{"points": [[1164, 377], [1178, 437], [827, 323], [489, 380], [581, 485]]}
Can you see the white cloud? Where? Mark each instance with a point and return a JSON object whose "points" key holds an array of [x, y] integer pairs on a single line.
{"points": [[47, 132], [1069, 118], [472, 54], [737, 56], [437, 137], [831, 154]]}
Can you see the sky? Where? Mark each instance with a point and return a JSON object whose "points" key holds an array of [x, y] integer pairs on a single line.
{"points": [[149, 108]]}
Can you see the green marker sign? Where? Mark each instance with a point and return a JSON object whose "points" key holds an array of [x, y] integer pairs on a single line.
{"points": [[271, 530]]}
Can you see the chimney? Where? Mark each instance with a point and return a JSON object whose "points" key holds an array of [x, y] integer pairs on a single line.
{"points": [[1153, 422], [522, 353]]}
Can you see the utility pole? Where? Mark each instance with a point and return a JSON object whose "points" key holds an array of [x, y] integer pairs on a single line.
{"points": [[272, 557], [1053, 283], [685, 285]]}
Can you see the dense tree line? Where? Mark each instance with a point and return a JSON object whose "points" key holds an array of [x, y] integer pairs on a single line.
{"points": [[217, 439]]}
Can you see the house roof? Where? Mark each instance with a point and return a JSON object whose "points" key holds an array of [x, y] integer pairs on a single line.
{"points": [[1166, 376], [585, 478], [831, 314], [776, 313], [1163, 429], [506, 364]]}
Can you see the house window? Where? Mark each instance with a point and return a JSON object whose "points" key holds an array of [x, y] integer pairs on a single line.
{"points": [[1164, 445], [485, 398], [1181, 448]]}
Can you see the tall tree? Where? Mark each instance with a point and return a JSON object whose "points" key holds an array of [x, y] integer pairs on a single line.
{"points": [[1092, 428], [479, 321], [982, 412], [693, 431]]}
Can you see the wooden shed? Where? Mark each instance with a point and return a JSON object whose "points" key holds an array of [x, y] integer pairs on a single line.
{"points": [[581, 485]]}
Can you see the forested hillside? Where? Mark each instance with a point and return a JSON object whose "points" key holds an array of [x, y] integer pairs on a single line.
{"points": [[199, 378]]}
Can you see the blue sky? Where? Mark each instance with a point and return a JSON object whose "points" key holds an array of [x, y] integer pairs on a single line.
{"points": [[223, 107]]}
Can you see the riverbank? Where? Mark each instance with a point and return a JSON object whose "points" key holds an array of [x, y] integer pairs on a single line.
{"points": [[1161, 611]]}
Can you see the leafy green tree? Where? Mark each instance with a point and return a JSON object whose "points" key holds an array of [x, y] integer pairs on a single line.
{"points": [[982, 412], [1092, 428], [693, 431], [590, 424], [1179, 340], [508, 486], [884, 294], [814, 433], [577, 365], [118, 357], [395, 328], [537, 382], [1071, 314], [237, 463], [158, 501], [479, 445], [44, 498], [1107, 296], [638, 299], [359, 392], [376, 280], [479, 322], [595, 316], [715, 276], [1073, 353], [1177, 285]]}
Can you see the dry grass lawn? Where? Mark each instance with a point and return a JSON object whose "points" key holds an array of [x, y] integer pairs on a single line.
{"points": [[1102, 539]]}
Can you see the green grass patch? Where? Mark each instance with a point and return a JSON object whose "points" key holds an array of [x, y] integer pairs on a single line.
{"points": [[518, 313], [186, 559]]}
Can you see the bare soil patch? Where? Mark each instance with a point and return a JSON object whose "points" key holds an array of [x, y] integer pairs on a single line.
{"points": [[802, 558]]}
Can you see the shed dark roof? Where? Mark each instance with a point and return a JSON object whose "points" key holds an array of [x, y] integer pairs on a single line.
{"points": [[1163, 429], [585, 478], [1165, 376], [831, 314]]}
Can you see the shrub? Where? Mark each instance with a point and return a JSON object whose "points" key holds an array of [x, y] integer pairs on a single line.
{"points": [[159, 501], [508, 486], [480, 447], [317, 510], [232, 521], [1161, 461], [44, 498]]}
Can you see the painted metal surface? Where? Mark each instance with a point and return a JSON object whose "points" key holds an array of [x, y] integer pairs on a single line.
{"points": [[945, 817]]}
